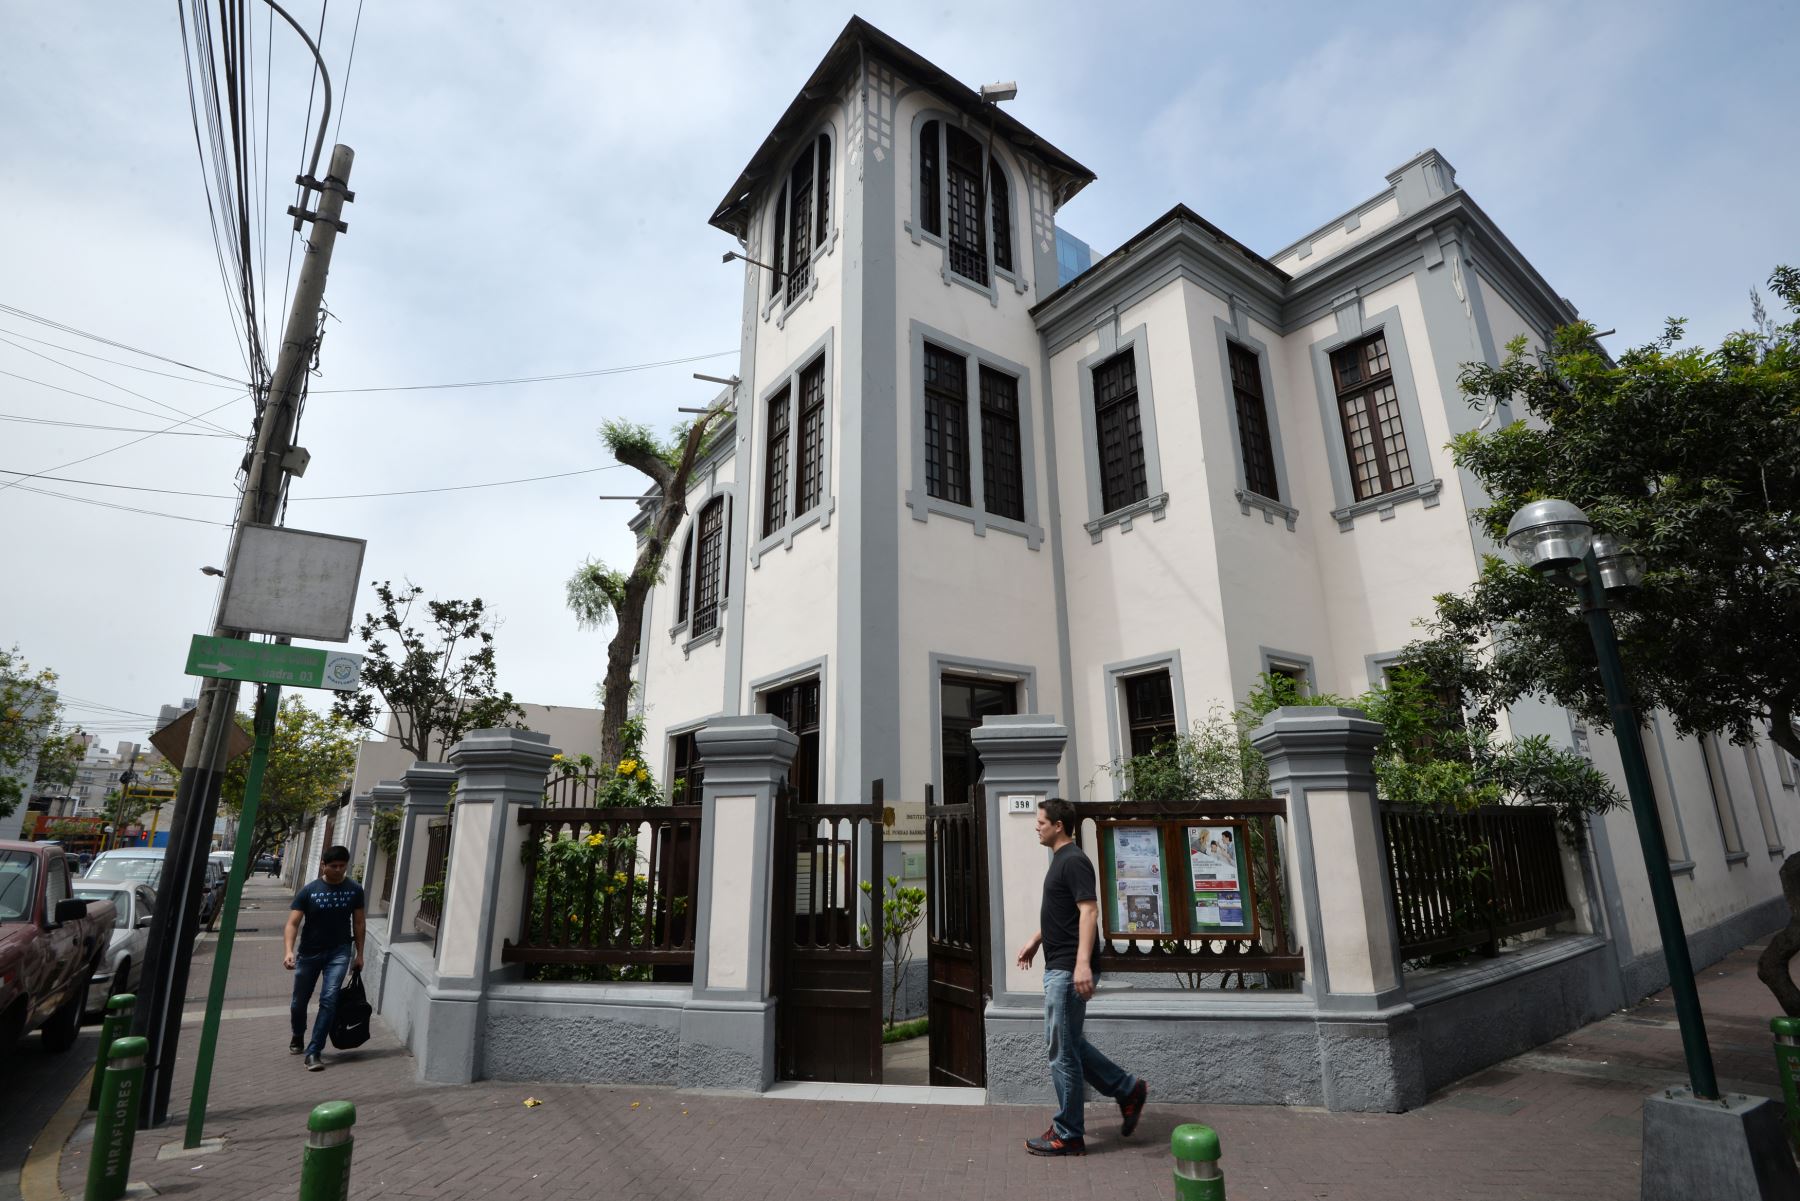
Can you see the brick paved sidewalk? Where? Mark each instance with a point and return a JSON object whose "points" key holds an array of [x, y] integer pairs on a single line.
{"points": [[1559, 1122]]}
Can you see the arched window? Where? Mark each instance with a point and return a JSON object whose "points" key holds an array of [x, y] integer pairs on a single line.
{"points": [[801, 221], [952, 185]]}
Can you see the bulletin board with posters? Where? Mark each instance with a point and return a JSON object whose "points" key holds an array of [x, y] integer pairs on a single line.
{"points": [[1176, 880]]}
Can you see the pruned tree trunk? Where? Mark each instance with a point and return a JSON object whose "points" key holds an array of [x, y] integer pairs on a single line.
{"points": [[671, 482], [1772, 966]]}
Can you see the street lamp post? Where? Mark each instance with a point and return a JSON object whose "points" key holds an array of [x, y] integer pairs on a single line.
{"points": [[1557, 541]]}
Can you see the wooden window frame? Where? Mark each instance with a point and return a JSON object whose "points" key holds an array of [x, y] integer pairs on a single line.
{"points": [[778, 415], [800, 220], [711, 567], [1360, 396], [1126, 481], [1002, 473], [947, 428], [809, 478], [1256, 444], [1155, 728], [964, 201]]}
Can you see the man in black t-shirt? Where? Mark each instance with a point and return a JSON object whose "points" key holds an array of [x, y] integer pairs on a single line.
{"points": [[1069, 932], [328, 920]]}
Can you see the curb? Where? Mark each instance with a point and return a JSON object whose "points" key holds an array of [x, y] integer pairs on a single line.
{"points": [[41, 1177]]}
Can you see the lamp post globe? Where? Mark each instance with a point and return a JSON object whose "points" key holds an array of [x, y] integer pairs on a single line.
{"points": [[1549, 535], [1620, 568]]}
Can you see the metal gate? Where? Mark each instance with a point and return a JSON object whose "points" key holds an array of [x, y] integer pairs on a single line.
{"points": [[827, 940], [956, 940]]}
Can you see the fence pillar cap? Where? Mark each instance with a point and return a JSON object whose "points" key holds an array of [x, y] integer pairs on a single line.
{"points": [[748, 736], [1195, 1142], [129, 1046], [438, 776], [525, 747], [1789, 1026], [331, 1115], [1309, 727], [121, 1002]]}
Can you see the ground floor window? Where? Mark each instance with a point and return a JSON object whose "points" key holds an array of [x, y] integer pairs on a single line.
{"points": [[966, 703], [797, 704]]}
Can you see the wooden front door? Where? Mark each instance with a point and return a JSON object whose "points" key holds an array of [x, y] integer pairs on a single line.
{"points": [[957, 949], [827, 972]]}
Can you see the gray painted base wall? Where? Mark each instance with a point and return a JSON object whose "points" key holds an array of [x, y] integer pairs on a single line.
{"points": [[914, 991], [1649, 972]]}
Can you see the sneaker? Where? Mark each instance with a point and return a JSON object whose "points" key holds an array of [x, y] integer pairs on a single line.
{"points": [[295, 1045], [1131, 1108], [1049, 1144], [313, 1063]]}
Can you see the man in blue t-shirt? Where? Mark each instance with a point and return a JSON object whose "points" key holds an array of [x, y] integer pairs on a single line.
{"points": [[327, 919], [1069, 932]]}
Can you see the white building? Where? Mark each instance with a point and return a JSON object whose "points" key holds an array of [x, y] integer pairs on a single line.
{"points": [[956, 487]]}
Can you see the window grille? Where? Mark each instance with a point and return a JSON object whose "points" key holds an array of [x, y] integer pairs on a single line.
{"points": [[812, 438], [946, 426], [1001, 469], [1370, 409], [800, 194], [929, 220], [997, 188], [968, 233], [1253, 423], [775, 511], [1122, 477], [709, 574]]}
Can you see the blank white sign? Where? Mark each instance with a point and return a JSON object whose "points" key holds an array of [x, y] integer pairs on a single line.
{"points": [[293, 582]]}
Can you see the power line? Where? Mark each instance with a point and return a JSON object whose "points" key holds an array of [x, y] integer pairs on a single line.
{"points": [[109, 383], [121, 429], [105, 341], [84, 500], [349, 66], [530, 379], [222, 431], [121, 446], [238, 384], [561, 475]]}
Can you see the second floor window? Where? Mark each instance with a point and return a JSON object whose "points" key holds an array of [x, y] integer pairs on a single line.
{"points": [[775, 498], [801, 221], [1369, 408], [709, 566], [1149, 711], [1120, 432], [794, 449], [1003, 490], [1253, 423], [809, 489], [946, 425], [958, 200]]}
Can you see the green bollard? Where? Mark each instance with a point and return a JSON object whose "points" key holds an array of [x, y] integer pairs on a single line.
{"points": [[115, 1123], [116, 1022], [1787, 1061], [325, 1165], [1198, 1176]]}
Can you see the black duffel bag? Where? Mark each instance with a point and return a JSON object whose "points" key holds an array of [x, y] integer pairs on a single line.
{"points": [[354, 1013]]}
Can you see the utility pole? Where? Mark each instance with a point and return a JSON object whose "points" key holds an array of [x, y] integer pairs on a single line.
{"points": [[172, 930]]}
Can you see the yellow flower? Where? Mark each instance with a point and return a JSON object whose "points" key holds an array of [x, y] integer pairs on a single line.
{"points": [[595, 839], [557, 758], [627, 766], [643, 775]]}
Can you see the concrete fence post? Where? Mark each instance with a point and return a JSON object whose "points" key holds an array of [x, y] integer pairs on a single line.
{"points": [[357, 836], [728, 1028], [426, 788], [379, 866], [1321, 760]]}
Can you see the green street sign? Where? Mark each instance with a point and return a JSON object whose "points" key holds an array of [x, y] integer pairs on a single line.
{"points": [[272, 663]]}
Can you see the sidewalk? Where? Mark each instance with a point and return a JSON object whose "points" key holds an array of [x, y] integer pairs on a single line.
{"points": [[1558, 1122]]}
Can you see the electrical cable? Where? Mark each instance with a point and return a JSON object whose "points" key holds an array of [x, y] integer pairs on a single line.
{"points": [[199, 383], [109, 383], [119, 429], [85, 500], [62, 327], [222, 431], [122, 446], [349, 66], [561, 475], [530, 379]]}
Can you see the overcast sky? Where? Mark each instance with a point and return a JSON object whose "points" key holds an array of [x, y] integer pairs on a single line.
{"points": [[533, 182]]}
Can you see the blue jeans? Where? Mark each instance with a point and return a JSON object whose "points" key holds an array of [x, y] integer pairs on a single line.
{"points": [[1072, 1058], [334, 965]]}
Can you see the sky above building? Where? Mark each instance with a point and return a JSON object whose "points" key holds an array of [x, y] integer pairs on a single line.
{"points": [[532, 188]]}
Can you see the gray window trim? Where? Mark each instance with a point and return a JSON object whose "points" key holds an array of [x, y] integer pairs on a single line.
{"points": [[819, 514], [1270, 507], [1273, 657], [1116, 674], [669, 736], [941, 664], [922, 503], [819, 668], [919, 235], [1156, 501], [1353, 325], [690, 528], [777, 299], [1759, 790], [1712, 760], [1686, 861]]}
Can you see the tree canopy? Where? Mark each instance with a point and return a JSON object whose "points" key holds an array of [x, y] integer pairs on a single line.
{"points": [[311, 758], [438, 680], [30, 719], [1690, 457]]}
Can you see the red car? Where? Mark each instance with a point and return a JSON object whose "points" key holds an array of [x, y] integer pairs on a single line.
{"points": [[51, 943]]}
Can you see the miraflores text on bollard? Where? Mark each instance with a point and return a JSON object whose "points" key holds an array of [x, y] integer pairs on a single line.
{"points": [[1787, 1061], [115, 1124], [325, 1165], [116, 1022], [1198, 1176]]}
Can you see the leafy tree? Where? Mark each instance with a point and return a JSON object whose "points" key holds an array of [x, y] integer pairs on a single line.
{"points": [[902, 912], [311, 759], [439, 682], [29, 718], [1690, 457], [598, 594], [59, 760]]}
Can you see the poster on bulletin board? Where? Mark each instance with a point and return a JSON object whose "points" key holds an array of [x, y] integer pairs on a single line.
{"points": [[1219, 879], [1140, 896]]}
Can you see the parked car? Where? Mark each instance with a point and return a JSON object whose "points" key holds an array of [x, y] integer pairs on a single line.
{"points": [[51, 943], [122, 965], [145, 864], [266, 862]]}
